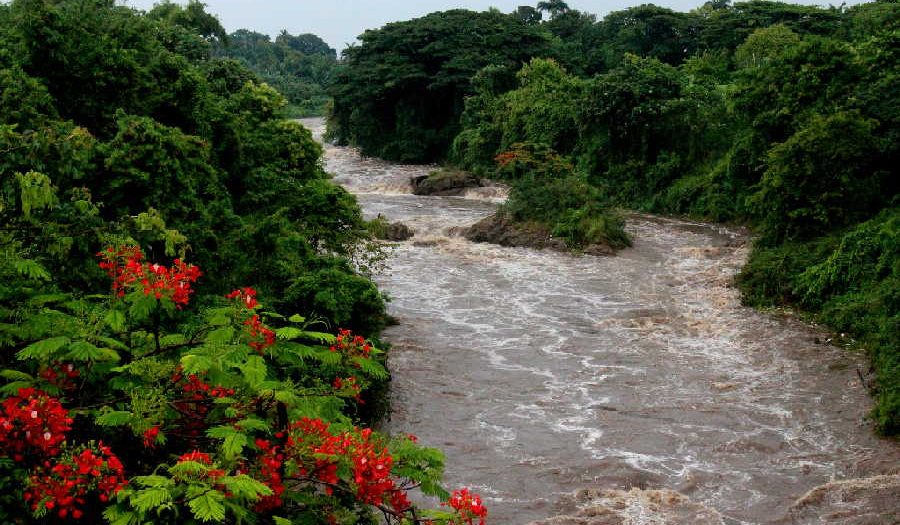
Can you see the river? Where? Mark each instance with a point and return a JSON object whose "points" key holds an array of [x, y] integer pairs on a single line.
{"points": [[634, 387]]}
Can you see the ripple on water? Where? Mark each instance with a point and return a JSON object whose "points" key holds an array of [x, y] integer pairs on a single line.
{"points": [[638, 376]]}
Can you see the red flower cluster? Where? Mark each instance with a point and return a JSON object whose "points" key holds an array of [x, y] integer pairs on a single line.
{"points": [[246, 295], [32, 421], [200, 390], [261, 336], [64, 485], [468, 506], [60, 375], [150, 437], [350, 345], [317, 452], [197, 457], [197, 403], [271, 464], [350, 385], [126, 267], [123, 265]]}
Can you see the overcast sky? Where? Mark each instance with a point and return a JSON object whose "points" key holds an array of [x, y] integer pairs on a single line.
{"points": [[338, 22]]}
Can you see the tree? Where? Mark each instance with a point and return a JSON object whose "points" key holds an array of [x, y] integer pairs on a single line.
{"points": [[401, 92], [553, 7], [306, 44], [528, 15]]}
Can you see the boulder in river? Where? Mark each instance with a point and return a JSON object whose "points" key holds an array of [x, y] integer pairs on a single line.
{"points": [[444, 182], [397, 231], [390, 231], [503, 230]]}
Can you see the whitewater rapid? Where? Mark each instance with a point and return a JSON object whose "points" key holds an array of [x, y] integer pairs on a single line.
{"points": [[634, 388]]}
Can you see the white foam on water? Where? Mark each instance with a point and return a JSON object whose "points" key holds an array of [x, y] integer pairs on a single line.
{"points": [[570, 370]]}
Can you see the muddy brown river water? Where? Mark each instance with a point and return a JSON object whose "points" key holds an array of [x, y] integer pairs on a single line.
{"points": [[632, 389]]}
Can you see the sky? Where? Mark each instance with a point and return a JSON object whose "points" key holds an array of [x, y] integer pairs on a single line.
{"points": [[338, 22]]}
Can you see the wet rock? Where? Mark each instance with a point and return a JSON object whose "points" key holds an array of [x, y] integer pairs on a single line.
{"points": [[502, 230], [397, 231], [619, 507], [444, 183]]}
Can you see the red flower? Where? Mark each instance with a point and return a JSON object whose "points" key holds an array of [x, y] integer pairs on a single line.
{"points": [[246, 295], [196, 456], [32, 421], [468, 506], [150, 437], [126, 267], [261, 336], [65, 483]]}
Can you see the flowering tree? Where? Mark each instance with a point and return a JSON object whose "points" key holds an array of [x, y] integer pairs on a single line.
{"points": [[140, 408]]}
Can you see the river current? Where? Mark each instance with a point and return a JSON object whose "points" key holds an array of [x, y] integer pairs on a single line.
{"points": [[631, 389]]}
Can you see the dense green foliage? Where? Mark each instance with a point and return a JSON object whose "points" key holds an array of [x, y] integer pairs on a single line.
{"points": [[300, 67], [141, 181], [780, 116], [399, 94]]}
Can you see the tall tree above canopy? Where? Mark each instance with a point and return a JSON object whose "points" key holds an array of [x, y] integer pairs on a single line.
{"points": [[401, 92], [553, 7], [192, 16]]}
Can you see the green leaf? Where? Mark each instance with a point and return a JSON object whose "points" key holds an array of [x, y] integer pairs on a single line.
{"points": [[371, 368], [85, 351], [253, 423], [115, 319], [154, 481], [12, 388], [188, 469], [116, 516], [110, 342], [234, 440], [43, 349], [172, 340], [245, 487], [303, 352], [297, 318], [31, 269], [114, 418], [234, 445], [219, 320], [288, 332], [143, 306], [220, 336], [327, 357], [148, 499], [254, 370], [193, 363], [15, 375], [321, 337], [208, 506], [281, 521]]}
